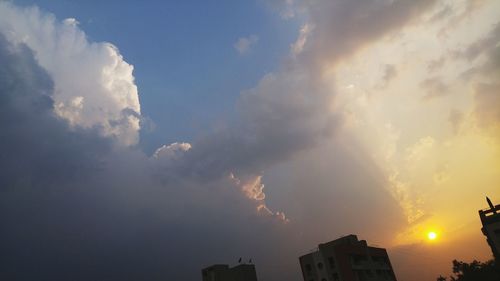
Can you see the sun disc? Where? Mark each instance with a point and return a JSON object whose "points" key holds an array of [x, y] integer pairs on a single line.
{"points": [[432, 235]]}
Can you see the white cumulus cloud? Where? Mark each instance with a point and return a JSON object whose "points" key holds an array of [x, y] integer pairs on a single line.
{"points": [[172, 151], [94, 86]]}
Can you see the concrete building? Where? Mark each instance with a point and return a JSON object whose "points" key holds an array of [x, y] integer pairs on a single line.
{"points": [[347, 259], [222, 272], [490, 218]]}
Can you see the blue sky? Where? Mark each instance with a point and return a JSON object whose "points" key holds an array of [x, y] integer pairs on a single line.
{"points": [[187, 70]]}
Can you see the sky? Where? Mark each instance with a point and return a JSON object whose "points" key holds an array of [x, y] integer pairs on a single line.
{"points": [[145, 141]]}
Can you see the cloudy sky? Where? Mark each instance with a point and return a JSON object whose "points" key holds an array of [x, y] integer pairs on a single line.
{"points": [[144, 141]]}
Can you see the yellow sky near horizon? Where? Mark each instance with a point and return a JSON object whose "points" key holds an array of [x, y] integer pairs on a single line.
{"points": [[411, 102], [407, 99]]}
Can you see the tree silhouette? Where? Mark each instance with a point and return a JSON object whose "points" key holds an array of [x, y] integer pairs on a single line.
{"points": [[474, 271]]}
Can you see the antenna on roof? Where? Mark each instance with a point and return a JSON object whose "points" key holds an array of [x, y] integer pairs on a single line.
{"points": [[491, 204]]}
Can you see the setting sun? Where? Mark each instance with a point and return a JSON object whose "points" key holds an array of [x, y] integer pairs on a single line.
{"points": [[432, 235]]}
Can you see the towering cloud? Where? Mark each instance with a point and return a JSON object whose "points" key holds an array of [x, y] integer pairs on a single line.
{"points": [[76, 205], [37, 148], [93, 85]]}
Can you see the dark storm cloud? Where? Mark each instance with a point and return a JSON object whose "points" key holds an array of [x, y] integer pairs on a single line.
{"points": [[37, 148], [75, 207], [284, 114]]}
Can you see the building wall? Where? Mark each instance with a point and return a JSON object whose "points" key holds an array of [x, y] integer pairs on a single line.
{"points": [[218, 272], [308, 264], [222, 272], [243, 272], [490, 218], [492, 232], [347, 259]]}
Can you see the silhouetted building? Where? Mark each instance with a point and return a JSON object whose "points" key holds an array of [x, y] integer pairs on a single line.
{"points": [[222, 272], [490, 218], [347, 259]]}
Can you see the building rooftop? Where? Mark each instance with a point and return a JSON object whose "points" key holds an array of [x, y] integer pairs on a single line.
{"points": [[350, 239], [490, 215]]}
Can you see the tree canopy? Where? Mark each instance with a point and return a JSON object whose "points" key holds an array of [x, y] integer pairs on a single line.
{"points": [[474, 271]]}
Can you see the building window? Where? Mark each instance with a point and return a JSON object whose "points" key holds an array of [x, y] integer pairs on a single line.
{"points": [[308, 268], [358, 259], [360, 275], [320, 265], [331, 261], [381, 261], [390, 275]]}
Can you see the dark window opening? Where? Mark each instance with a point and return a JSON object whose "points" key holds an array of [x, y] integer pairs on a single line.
{"points": [[308, 268], [331, 261], [320, 265]]}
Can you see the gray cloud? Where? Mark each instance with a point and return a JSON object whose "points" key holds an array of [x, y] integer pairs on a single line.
{"points": [[289, 110], [435, 87], [456, 118], [486, 92], [345, 26], [390, 72], [75, 206], [85, 95], [443, 13], [455, 18], [487, 104], [436, 64], [484, 45], [31, 133]]}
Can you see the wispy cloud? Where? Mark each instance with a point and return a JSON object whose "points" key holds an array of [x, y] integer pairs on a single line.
{"points": [[435, 87], [245, 44]]}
